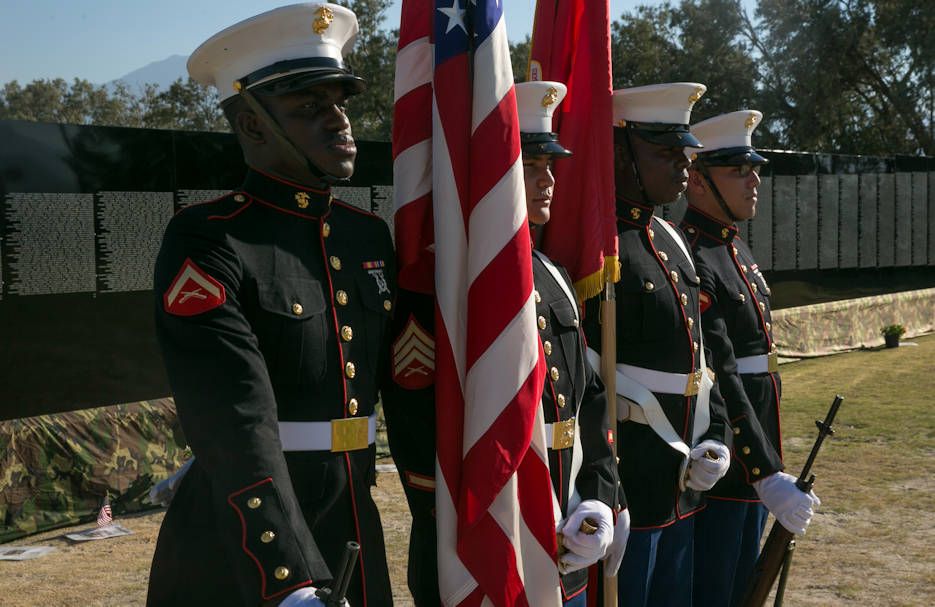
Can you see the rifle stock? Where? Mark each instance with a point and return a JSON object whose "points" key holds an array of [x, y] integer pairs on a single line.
{"points": [[774, 551]]}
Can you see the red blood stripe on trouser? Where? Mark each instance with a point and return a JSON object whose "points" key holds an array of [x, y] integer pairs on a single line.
{"points": [[412, 119], [489, 314]]}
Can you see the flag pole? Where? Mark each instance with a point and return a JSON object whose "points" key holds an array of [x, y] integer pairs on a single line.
{"points": [[609, 375]]}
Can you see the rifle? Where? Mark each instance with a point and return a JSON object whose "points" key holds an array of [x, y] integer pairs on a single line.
{"points": [[334, 596], [777, 552]]}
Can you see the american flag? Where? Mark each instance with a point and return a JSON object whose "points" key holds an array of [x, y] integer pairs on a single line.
{"points": [[461, 218], [105, 516]]}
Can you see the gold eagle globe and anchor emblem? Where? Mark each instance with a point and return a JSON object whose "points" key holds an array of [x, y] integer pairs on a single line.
{"points": [[301, 199], [551, 97], [323, 18], [750, 121], [694, 97]]}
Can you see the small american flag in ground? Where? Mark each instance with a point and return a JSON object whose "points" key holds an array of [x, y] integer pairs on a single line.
{"points": [[106, 515], [460, 207]]}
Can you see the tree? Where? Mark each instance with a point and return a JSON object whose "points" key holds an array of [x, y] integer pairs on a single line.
{"points": [[851, 76], [373, 59], [185, 105], [699, 41], [519, 57]]}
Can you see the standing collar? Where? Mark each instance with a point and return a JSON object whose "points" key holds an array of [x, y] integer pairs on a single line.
{"points": [[699, 221], [287, 196], [634, 213]]}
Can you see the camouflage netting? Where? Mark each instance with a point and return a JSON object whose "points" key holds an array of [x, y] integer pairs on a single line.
{"points": [[56, 469], [853, 323]]}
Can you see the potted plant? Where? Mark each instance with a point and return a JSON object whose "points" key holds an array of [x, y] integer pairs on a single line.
{"points": [[892, 333]]}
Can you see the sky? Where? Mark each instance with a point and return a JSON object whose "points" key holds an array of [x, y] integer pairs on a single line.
{"points": [[101, 40]]}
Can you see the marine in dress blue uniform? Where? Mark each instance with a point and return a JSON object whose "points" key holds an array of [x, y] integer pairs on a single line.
{"points": [[574, 405], [272, 312], [672, 433], [737, 326]]}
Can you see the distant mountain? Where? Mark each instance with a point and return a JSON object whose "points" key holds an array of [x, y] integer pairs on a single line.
{"points": [[162, 73]]}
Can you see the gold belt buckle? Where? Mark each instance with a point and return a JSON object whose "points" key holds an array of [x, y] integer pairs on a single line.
{"points": [[694, 382], [772, 364], [563, 434], [349, 434]]}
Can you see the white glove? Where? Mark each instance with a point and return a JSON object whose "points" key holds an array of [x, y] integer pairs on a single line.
{"points": [[704, 472], [583, 549], [792, 507], [306, 597], [614, 555]]}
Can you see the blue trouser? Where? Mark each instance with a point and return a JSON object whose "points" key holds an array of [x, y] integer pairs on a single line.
{"points": [[657, 567], [580, 600], [727, 543]]}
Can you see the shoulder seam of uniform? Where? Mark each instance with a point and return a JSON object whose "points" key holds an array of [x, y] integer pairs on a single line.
{"points": [[196, 205]]}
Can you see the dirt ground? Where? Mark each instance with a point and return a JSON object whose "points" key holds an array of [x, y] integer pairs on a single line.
{"points": [[870, 543]]}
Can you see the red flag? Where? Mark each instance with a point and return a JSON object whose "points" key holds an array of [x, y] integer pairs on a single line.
{"points": [[460, 207], [571, 44]]}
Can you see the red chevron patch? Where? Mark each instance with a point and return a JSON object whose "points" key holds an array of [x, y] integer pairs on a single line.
{"points": [[414, 357], [193, 292]]}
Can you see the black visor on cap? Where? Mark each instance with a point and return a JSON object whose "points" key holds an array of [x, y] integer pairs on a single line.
{"points": [[662, 133], [542, 144], [735, 156], [297, 74]]}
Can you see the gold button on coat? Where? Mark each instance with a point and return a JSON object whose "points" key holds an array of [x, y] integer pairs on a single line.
{"points": [[746, 450], [352, 406], [762, 306], [769, 327], [743, 297], [267, 537], [350, 370], [736, 431], [753, 286], [744, 268], [541, 322], [281, 573], [347, 333], [547, 346], [691, 322], [663, 256], [553, 373], [695, 346], [648, 286], [651, 234], [254, 502], [387, 305], [341, 296], [335, 262], [755, 471], [684, 299], [239, 198], [561, 400], [325, 229], [674, 275], [297, 309], [537, 297]]}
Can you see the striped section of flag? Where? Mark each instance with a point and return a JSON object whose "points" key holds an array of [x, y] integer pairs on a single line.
{"points": [[105, 515], [460, 211]]}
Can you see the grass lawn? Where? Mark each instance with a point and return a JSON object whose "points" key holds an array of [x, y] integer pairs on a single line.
{"points": [[870, 543]]}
